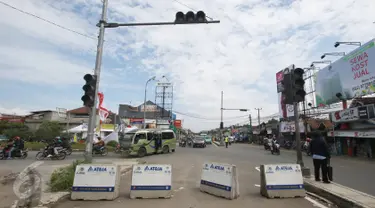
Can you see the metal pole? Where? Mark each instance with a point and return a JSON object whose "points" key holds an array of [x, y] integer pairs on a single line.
{"points": [[98, 63], [221, 118], [144, 106], [305, 170]]}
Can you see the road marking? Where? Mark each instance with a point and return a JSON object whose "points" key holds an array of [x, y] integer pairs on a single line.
{"points": [[315, 203], [215, 144], [257, 185], [257, 168]]}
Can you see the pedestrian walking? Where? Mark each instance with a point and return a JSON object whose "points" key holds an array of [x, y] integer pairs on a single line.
{"points": [[226, 141], [320, 154]]}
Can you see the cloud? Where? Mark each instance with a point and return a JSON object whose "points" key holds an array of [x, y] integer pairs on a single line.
{"points": [[239, 56]]}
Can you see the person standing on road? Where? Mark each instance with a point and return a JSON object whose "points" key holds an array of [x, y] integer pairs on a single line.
{"points": [[226, 141], [320, 154]]}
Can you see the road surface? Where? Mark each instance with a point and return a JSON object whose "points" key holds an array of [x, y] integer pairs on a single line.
{"points": [[187, 164], [351, 172]]}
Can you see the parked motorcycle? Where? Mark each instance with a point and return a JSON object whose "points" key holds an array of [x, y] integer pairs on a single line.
{"points": [[182, 143], [102, 151], [43, 153], [68, 150], [22, 154], [267, 146], [306, 148], [118, 149]]}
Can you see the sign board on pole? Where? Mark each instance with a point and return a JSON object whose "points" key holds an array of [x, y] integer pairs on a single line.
{"points": [[164, 84], [220, 179], [96, 182], [351, 76], [151, 181], [281, 180]]}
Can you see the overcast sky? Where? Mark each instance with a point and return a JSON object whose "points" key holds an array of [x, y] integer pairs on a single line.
{"points": [[42, 65]]}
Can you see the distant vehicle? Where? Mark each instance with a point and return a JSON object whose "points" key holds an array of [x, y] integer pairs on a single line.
{"points": [[198, 141], [231, 139], [141, 142]]}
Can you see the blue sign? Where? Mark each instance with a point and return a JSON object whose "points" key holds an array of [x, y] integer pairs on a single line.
{"points": [[283, 168], [217, 167], [97, 169], [174, 117], [216, 185], [153, 168]]}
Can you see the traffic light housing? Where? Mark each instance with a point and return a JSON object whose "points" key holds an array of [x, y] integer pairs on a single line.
{"points": [[287, 90], [90, 89], [190, 17], [298, 85], [221, 125]]}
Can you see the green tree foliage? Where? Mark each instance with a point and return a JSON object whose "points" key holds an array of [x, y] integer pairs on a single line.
{"points": [[48, 130], [10, 129]]}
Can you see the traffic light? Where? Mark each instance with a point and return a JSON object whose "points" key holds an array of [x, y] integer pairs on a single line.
{"points": [[286, 89], [298, 85], [90, 87], [190, 17]]}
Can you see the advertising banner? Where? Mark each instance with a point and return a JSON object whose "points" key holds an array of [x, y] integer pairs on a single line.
{"points": [[283, 177], [95, 178], [352, 76], [149, 108], [289, 126], [178, 124], [136, 121]]}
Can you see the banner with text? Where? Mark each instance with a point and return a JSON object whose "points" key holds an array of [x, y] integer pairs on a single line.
{"points": [[352, 76]]}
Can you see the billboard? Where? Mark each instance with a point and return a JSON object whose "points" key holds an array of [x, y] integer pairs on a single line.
{"points": [[178, 124], [352, 76], [149, 108], [285, 110]]}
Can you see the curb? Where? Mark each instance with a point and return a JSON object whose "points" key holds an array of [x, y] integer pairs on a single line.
{"points": [[340, 201], [217, 143]]}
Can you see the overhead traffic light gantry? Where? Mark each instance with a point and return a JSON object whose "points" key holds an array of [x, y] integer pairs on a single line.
{"points": [[191, 18]]}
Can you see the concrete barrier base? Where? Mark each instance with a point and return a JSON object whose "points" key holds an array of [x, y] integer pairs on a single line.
{"points": [[150, 194]]}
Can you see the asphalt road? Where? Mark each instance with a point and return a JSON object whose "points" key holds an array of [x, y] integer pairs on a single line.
{"points": [[351, 172], [187, 164]]}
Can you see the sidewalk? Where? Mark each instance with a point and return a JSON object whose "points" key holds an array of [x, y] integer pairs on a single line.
{"points": [[340, 195]]}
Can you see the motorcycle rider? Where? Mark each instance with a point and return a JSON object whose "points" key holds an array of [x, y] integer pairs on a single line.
{"points": [[18, 145], [9, 147], [99, 144], [275, 143], [56, 146]]}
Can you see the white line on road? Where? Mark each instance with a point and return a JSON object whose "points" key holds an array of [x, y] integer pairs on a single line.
{"points": [[257, 185], [315, 203], [215, 144], [257, 168]]}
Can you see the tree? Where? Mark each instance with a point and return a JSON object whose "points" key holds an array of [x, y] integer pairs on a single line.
{"points": [[10, 129], [48, 130]]}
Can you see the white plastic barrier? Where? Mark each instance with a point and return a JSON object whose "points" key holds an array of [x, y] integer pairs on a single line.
{"points": [[151, 181], [281, 181], [220, 180], [96, 182]]}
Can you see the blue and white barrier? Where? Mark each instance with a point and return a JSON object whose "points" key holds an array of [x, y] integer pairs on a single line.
{"points": [[220, 180], [281, 181], [96, 182], [151, 181]]}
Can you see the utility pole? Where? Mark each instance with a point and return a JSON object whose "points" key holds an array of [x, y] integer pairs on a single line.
{"points": [[98, 63], [305, 170], [221, 119], [258, 109]]}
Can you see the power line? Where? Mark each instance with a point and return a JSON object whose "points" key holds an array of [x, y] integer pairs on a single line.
{"points": [[187, 6], [47, 21], [205, 118]]}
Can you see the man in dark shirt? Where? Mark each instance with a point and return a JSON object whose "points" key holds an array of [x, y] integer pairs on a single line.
{"points": [[320, 154]]}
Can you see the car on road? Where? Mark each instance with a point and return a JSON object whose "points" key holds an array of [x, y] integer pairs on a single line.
{"points": [[198, 141]]}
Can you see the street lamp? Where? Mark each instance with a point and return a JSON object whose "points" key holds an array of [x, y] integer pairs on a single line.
{"points": [[144, 104], [320, 62], [347, 43], [333, 54]]}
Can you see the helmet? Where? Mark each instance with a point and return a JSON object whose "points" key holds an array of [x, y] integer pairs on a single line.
{"points": [[17, 137]]}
